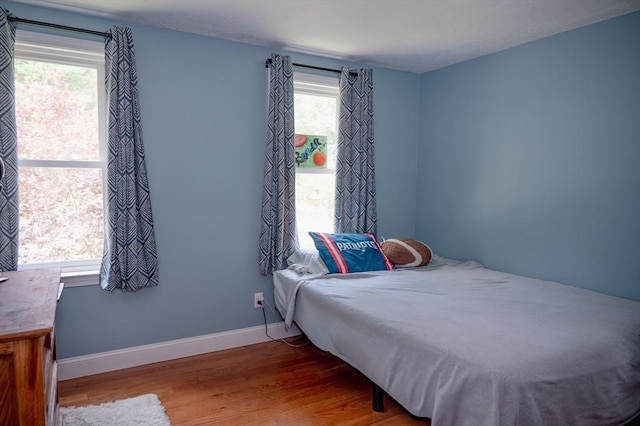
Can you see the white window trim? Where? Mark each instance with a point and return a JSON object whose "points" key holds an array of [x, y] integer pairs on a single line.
{"points": [[314, 84], [59, 49], [70, 51]]}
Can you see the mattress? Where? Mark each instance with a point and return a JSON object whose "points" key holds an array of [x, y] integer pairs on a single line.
{"points": [[466, 345]]}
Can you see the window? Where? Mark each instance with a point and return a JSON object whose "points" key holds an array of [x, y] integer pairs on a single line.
{"points": [[60, 104], [316, 100]]}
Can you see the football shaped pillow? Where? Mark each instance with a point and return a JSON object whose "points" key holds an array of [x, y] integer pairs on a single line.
{"points": [[406, 252]]}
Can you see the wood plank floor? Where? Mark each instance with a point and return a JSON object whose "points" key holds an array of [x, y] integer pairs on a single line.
{"points": [[267, 384]]}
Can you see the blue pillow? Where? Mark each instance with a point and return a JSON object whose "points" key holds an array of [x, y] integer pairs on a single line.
{"points": [[344, 253]]}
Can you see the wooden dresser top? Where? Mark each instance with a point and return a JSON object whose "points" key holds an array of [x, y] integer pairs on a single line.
{"points": [[28, 303]]}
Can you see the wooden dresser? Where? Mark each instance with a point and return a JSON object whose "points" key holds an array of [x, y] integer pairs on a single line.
{"points": [[28, 370]]}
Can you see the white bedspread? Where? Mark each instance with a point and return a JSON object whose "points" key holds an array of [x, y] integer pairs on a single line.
{"points": [[465, 345]]}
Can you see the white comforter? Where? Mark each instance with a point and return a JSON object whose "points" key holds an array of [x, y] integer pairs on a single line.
{"points": [[465, 345]]}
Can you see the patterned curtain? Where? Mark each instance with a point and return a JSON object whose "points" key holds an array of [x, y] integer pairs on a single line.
{"points": [[129, 261], [278, 236], [8, 148], [355, 199]]}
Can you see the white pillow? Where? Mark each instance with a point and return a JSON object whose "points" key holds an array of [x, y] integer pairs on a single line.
{"points": [[310, 258]]}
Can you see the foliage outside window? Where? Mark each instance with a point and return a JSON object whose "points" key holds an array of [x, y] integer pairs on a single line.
{"points": [[59, 108]]}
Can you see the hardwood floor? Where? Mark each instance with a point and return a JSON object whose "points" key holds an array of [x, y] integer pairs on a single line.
{"points": [[267, 384]]}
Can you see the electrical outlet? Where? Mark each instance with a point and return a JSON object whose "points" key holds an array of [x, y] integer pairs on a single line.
{"points": [[258, 300]]}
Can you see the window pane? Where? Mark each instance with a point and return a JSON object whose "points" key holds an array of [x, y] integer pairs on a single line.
{"points": [[315, 189], [314, 204], [316, 115], [56, 111], [62, 216]]}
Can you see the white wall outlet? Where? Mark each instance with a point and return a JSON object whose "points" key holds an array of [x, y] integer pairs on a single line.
{"points": [[258, 300]]}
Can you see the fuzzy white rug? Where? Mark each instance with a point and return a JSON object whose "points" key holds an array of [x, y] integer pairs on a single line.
{"points": [[142, 410]]}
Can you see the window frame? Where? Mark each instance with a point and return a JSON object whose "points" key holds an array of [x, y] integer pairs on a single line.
{"points": [[318, 85], [325, 86], [37, 46]]}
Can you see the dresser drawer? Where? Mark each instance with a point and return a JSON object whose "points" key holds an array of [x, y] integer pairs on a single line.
{"points": [[8, 402]]}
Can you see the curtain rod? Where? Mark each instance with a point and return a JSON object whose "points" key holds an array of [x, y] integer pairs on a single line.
{"points": [[269, 61], [57, 26]]}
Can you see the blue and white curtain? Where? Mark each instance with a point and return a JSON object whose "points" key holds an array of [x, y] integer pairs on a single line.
{"points": [[355, 199], [130, 259], [278, 236], [9, 215]]}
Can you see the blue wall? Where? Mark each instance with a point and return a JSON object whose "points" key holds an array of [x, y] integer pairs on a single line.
{"points": [[203, 105], [530, 158]]}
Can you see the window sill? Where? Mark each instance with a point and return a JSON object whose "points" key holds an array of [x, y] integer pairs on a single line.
{"points": [[73, 273], [80, 279]]}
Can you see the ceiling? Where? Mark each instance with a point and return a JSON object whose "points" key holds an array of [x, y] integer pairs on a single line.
{"points": [[408, 35]]}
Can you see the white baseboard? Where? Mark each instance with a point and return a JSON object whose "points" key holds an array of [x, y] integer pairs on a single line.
{"points": [[86, 365]]}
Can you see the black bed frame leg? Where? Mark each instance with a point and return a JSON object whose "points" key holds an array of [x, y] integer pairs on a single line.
{"points": [[378, 398]]}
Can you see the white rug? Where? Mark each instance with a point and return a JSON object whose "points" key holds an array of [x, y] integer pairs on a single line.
{"points": [[142, 410]]}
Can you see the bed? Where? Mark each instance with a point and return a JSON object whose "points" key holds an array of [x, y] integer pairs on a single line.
{"points": [[465, 345]]}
